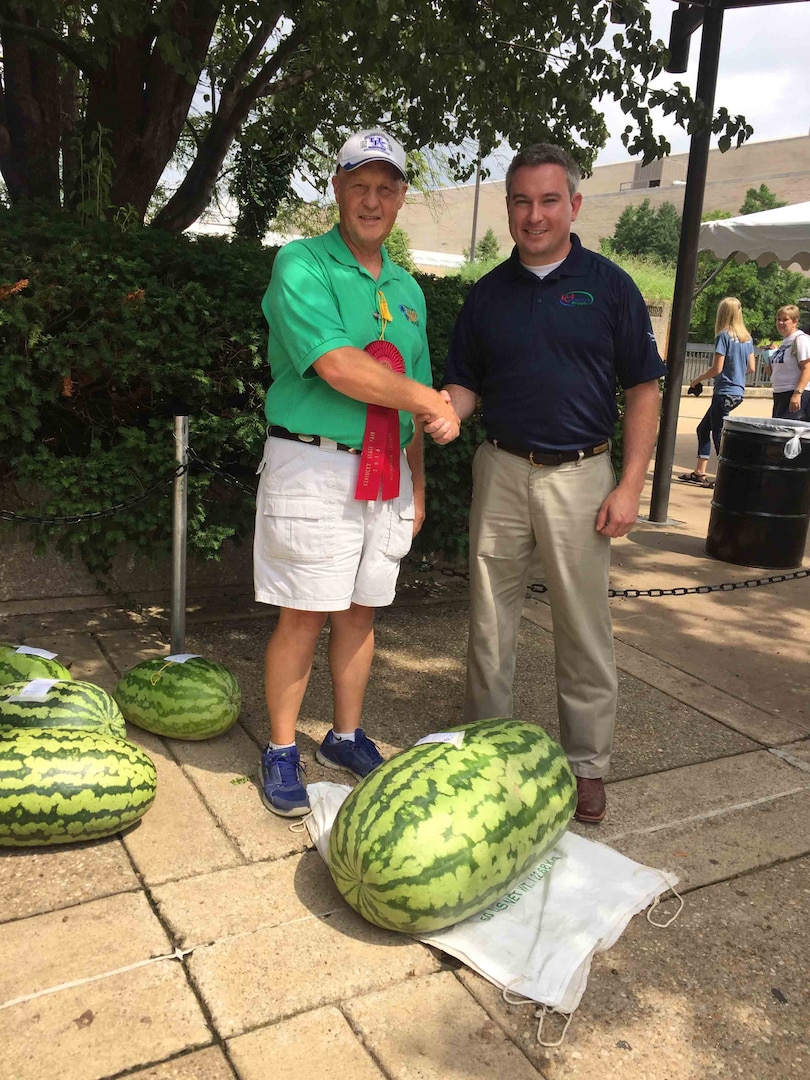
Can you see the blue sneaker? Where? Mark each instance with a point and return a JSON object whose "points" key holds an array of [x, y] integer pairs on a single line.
{"points": [[282, 790], [358, 757]]}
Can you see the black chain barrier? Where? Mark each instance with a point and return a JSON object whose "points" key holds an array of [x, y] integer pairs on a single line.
{"points": [[632, 594], [197, 462], [75, 519]]}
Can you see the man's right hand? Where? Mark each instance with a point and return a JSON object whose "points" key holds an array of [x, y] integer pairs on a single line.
{"points": [[444, 425]]}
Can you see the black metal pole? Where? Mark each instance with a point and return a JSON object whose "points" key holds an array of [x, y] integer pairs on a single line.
{"points": [[475, 205], [687, 260]]}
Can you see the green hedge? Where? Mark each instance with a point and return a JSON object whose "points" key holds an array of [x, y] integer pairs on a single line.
{"points": [[105, 334]]}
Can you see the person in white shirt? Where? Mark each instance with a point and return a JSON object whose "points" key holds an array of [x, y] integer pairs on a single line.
{"points": [[789, 368]]}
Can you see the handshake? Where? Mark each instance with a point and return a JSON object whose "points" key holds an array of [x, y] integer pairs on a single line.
{"points": [[443, 425]]}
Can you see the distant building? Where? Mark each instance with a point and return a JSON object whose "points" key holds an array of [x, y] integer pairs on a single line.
{"points": [[442, 222]]}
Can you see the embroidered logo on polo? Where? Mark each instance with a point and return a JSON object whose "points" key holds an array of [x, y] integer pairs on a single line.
{"points": [[576, 299], [409, 314]]}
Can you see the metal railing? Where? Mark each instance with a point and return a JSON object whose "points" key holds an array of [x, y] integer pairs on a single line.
{"points": [[700, 357]]}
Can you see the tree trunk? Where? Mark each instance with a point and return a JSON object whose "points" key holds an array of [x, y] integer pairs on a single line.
{"points": [[29, 116], [143, 102]]}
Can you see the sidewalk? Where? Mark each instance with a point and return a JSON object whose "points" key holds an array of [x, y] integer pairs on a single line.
{"points": [[209, 943]]}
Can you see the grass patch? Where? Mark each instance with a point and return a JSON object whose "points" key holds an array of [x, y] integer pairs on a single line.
{"points": [[655, 280]]}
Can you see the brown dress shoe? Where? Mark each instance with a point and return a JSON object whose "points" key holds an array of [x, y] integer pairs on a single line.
{"points": [[591, 800]]}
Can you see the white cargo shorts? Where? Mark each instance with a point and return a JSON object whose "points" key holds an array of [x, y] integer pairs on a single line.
{"points": [[316, 547]]}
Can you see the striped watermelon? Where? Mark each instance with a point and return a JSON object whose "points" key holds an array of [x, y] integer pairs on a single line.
{"points": [[439, 831], [59, 786], [193, 699], [63, 703], [16, 666]]}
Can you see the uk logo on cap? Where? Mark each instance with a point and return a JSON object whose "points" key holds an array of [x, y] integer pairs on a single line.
{"points": [[377, 142], [372, 145]]}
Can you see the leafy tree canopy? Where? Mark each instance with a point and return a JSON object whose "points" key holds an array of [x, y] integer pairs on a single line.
{"points": [[761, 198], [486, 250], [398, 246], [642, 230], [96, 99]]}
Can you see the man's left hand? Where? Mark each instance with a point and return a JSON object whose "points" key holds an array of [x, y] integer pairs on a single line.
{"points": [[617, 514]]}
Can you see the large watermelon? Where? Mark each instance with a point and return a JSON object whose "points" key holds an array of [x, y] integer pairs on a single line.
{"points": [[19, 663], [439, 831], [60, 786], [59, 703], [190, 698]]}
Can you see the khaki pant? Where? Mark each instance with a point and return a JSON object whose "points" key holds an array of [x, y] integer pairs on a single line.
{"points": [[519, 510]]}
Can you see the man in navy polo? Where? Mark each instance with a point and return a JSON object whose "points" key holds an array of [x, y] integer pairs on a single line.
{"points": [[542, 341]]}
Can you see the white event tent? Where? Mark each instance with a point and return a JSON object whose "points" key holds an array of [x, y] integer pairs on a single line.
{"points": [[781, 235]]}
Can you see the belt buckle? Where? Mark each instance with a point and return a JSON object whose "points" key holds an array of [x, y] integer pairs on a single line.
{"points": [[537, 464]]}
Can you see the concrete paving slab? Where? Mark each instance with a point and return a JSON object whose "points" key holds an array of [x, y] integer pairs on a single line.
{"points": [[104, 1027], [796, 754], [333, 959], [417, 685], [178, 837], [309, 1047], [696, 792], [27, 618], [740, 716], [126, 648], [432, 1029], [225, 772], [719, 993], [732, 640], [728, 844], [33, 880], [209, 1064], [81, 942], [260, 896]]}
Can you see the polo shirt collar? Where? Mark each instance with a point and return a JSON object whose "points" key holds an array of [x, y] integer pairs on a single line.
{"points": [[338, 249], [573, 265]]}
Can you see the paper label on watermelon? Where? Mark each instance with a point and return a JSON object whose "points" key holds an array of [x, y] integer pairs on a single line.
{"points": [[35, 690], [181, 657], [31, 651], [454, 737]]}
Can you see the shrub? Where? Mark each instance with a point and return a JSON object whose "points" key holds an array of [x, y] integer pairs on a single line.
{"points": [[104, 335]]}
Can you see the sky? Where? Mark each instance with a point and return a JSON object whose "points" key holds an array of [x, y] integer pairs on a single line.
{"points": [[763, 74]]}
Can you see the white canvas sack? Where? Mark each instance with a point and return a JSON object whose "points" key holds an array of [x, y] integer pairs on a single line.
{"points": [[538, 940]]}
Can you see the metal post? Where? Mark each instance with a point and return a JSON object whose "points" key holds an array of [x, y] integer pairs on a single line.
{"points": [[475, 206], [687, 260], [179, 534]]}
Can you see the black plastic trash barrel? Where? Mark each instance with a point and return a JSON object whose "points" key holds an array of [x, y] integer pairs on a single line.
{"points": [[761, 503]]}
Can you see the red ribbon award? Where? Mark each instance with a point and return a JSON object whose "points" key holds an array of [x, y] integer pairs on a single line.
{"points": [[379, 461]]}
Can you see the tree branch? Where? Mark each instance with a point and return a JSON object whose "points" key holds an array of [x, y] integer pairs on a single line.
{"points": [[78, 56], [250, 53]]}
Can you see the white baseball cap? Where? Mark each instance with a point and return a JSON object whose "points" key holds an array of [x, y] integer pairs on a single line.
{"points": [[372, 145]]}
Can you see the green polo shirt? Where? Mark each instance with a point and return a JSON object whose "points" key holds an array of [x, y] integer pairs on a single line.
{"points": [[320, 298]]}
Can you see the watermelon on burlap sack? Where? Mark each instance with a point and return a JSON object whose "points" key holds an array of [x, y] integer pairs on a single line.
{"points": [[59, 703], [59, 786], [185, 698], [19, 663], [440, 830]]}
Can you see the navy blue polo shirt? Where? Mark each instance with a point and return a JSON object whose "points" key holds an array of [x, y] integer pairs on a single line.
{"points": [[544, 355]]}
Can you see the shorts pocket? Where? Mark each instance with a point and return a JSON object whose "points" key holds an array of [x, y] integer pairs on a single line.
{"points": [[400, 529], [295, 528]]}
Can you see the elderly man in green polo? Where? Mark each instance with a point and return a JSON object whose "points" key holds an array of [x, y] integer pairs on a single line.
{"points": [[342, 491]]}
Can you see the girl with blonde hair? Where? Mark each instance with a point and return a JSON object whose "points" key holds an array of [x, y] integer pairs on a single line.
{"points": [[733, 357]]}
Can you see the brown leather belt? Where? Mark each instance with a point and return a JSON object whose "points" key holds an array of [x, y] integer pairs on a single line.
{"points": [[551, 457], [310, 440]]}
